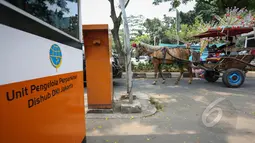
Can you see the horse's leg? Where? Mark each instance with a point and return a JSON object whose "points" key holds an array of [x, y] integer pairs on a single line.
{"points": [[181, 73], [190, 73], [160, 72], [156, 65]]}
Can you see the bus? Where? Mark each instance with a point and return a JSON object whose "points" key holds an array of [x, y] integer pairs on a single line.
{"points": [[41, 76]]}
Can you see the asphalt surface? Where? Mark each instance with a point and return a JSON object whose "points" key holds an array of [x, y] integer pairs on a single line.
{"points": [[184, 118]]}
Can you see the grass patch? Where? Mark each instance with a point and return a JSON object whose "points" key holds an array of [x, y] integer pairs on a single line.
{"points": [[158, 105]]}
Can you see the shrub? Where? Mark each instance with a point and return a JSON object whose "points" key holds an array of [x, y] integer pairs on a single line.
{"points": [[148, 67]]}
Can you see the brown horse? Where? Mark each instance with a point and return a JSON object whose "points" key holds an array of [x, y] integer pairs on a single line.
{"points": [[164, 55]]}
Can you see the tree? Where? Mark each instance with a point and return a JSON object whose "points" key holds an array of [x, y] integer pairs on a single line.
{"points": [[221, 5], [188, 18], [168, 21], [73, 25], [155, 28], [171, 35], [116, 19], [174, 3], [52, 12], [206, 11], [40, 8], [187, 31], [136, 25], [142, 38], [207, 8]]}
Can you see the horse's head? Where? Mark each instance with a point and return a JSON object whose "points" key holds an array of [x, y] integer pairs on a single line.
{"points": [[138, 50]]}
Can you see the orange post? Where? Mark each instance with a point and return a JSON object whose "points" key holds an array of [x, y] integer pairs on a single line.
{"points": [[98, 66]]}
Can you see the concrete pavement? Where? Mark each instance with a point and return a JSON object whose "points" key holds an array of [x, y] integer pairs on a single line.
{"points": [[181, 120]]}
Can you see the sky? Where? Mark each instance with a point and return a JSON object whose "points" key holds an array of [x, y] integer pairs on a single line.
{"points": [[98, 11]]}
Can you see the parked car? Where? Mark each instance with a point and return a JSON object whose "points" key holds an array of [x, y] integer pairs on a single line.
{"points": [[116, 68], [142, 59]]}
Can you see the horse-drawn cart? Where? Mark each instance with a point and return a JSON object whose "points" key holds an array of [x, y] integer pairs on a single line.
{"points": [[233, 64], [226, 60]]}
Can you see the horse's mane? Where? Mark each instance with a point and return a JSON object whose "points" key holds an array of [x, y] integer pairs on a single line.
{"points": [[150, 46]]}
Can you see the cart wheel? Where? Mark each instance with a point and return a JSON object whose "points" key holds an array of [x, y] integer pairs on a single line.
{"points": [[233, 78], [211, 76]]}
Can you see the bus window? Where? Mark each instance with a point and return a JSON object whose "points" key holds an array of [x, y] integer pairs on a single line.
{"points": [[62, 14]]}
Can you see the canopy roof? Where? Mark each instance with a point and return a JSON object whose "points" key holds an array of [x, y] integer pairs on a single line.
{"points": [[196, 47], [224, 31], [248, 34]]}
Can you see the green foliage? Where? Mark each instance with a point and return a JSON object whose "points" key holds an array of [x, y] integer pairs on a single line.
{"points": [[207, 8], [174, 3], [206, 11], [143, 67], [165, 30], [220, 4], [155, 27], [188, 31], [135, 23], [170, 68], [142, 38], [171, 33], [168, 21], [187, 18], [148, 67]]}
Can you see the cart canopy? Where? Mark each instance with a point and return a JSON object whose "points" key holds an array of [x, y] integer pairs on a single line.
{"points": [[224, 31]]}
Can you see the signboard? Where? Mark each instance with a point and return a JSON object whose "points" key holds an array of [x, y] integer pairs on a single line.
{"points": [[41, 90]]}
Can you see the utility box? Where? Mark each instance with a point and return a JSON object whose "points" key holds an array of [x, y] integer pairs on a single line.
{"points": [[98, 66]]}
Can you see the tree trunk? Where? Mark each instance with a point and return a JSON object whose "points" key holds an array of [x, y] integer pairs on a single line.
{"points": [[115, 31], [117, 42]]}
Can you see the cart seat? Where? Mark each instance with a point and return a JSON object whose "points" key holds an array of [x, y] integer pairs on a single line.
{"points": [[213, 59], [253, 52]]}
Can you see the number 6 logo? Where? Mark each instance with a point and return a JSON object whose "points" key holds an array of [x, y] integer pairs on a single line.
{"points": [[209, 109]]}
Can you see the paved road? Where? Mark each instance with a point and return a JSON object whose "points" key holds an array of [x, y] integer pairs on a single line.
{"points": [[181, 119]]}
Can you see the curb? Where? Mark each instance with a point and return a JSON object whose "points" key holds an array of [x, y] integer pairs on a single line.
{"points": [[137, 75], [250, 74], [147, 110]]}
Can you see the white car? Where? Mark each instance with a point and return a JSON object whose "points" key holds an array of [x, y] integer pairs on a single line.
{"points": [[142, 60]]}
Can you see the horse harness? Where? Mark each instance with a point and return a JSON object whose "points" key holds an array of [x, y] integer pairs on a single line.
{"points": [[165, 51]]}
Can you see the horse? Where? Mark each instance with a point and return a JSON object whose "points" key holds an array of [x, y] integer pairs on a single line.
{"points": [[163, 55]]}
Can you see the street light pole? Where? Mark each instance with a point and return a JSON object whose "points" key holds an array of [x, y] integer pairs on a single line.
{"points": [[127, 51], [155, 38], [177, 26]]}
